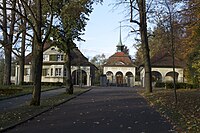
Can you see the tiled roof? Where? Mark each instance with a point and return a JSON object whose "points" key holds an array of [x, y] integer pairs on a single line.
{"points": [[119, 59], [164, 59], [77, 57]]}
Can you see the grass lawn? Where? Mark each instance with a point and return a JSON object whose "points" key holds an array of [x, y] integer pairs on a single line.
{"points": [[17, 90], [14, 116], [185, 115]]}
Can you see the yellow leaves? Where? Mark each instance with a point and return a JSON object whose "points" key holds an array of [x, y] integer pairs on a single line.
{"points": [[185, 115]]}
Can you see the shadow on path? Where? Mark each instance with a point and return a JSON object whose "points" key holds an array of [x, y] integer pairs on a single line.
{"points": [[101, 110]]}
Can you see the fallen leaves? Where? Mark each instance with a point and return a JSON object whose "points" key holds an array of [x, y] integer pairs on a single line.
{"points": [[186, 114]]}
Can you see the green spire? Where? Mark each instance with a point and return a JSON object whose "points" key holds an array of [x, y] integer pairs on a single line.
{"points": [[120, 46]]}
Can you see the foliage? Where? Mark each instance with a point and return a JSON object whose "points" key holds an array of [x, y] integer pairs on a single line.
{"points": [[169, 85], [191, 23], [98, 61], [185, 115], [18, 90], [186, 25]]}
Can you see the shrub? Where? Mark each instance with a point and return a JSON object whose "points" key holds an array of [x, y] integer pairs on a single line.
{"points": [[9, 91], [159, 84], [170, 85], [45, 83]]}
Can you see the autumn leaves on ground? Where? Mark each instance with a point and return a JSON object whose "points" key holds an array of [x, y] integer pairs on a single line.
{"points": [[185, 115]]}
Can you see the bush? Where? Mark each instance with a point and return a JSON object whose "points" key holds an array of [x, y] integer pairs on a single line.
{"points": [[170, 85], [45, 83], [27, 83], [52, 83], [9, 91], [159, 84]]}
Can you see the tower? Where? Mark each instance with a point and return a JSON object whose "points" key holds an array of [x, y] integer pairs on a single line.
{"points": [[120, 46]]}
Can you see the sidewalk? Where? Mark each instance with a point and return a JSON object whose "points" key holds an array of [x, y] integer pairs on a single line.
{"points": [[15, 102], [101, 110]]}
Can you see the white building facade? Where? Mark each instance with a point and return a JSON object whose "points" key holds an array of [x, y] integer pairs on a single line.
{"points": [[162, 69], [54, 70]]}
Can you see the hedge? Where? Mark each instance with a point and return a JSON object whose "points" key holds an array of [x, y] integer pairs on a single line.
{"points": [[45, 83], [169, 85], [9, 91]]}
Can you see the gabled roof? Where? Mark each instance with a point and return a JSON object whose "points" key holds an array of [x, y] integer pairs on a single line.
{"points": [[164, 59], [119, 59], [77, 57]]}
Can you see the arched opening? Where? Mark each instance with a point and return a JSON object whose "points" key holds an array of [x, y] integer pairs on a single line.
{"points": [[79, 77], [129, 79], [156, 76], [169, 77], [109, 76], [119, 78]]}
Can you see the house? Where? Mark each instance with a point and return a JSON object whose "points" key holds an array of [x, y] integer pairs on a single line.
{"points": [[119, 68], [83, 72], [162, 68]]}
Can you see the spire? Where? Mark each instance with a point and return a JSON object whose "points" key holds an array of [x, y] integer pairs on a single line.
{"points": [[120, 46]]}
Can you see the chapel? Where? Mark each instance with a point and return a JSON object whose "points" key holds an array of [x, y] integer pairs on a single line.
{"points": [[119, 68]]}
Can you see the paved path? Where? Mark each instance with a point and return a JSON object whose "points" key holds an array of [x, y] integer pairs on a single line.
{"points": [[101, 110], [22, 100]]}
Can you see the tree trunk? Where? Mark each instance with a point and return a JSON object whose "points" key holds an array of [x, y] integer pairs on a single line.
{"points": [[8, 38], [32, 74], [7, 65], [21, 71], [69, 84], [172, 51], [37, 58], [7, 48], [145, 45], [22, 57]]}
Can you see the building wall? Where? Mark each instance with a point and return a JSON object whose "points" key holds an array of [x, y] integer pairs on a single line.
{"points": [[55, 70], [124, 71], [164, 72], [52, 75]]}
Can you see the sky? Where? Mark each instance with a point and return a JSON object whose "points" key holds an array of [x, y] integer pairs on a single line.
{"points": [[103, 30]]}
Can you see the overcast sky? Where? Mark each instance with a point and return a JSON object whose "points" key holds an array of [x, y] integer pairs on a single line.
{"points": [[102, 31]]}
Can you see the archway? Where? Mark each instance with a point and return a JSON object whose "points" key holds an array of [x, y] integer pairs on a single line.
{"points": [[119, 78], [129, 79], [156, 76], [79, 77], [169, 76], [109, 76]]}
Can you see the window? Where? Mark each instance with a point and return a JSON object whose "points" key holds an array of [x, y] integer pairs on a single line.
{"points": [[45, 57], [26, 71], [119, 63], [59, 57], [44, 72], [53, 58], [51, 71], [58, 72]]}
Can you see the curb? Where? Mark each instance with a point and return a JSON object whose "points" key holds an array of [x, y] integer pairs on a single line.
{"points": [[40, 113]]}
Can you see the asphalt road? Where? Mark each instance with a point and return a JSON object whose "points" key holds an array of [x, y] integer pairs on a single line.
{"points": [[101, 110]]}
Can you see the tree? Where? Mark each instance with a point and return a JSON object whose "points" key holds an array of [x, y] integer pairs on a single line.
{"points": [[99, 61], [191, 22], [41, 29], [140, 7], [38, 48], [7, 27], [72, 16]]}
